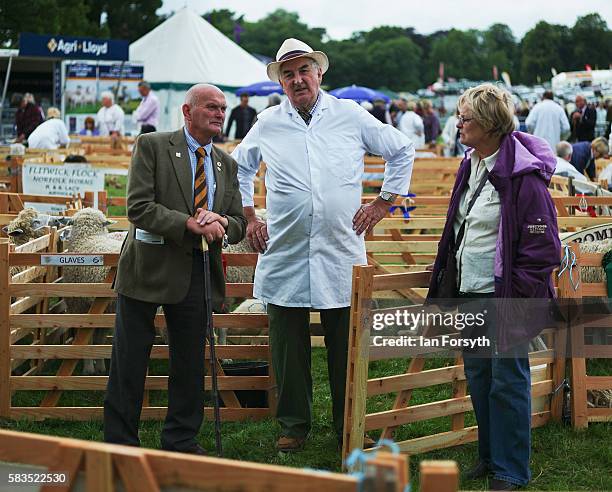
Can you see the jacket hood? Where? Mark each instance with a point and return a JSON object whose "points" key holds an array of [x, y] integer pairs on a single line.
{"points": [[521, 153]]}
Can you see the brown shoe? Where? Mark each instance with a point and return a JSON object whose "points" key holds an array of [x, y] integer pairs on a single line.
{"points": [[290, 444]]}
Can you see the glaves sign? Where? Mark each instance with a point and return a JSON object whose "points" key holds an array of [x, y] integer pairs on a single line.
{"points": [[72, 47]]}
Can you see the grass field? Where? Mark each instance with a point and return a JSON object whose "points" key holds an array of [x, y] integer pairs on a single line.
{"points": [[562, 459]]}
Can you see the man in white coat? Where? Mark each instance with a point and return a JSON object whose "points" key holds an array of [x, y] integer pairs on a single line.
{"points": [[110, 116], [313, 145], [50, 134], [412, 126], [548, 120]]}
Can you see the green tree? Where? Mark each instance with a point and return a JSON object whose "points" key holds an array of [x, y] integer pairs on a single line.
{"points": [[347, 64], [544, 47], [461, 53], [592, 42], [224, 20], [500, 49], [130, 20], [393, 63], [266, 35], [69, 17], [381, 33]]}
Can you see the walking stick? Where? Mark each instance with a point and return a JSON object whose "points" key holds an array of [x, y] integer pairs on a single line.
{"points": [[210, 334]]}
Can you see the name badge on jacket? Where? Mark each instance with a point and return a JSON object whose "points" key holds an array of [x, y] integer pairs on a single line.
{"points": [[148, 237]]}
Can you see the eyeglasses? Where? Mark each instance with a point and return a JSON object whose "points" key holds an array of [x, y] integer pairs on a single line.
{"points": [[463, 120]]}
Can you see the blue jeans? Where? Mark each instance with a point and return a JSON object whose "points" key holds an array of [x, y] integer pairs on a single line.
{"points": [[500, 387]]}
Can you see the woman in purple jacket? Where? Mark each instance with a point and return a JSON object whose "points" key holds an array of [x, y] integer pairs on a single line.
{"points": [[505, 247]]}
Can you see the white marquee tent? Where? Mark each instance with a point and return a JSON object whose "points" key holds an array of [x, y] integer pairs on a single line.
{"points": [[185, 50]]}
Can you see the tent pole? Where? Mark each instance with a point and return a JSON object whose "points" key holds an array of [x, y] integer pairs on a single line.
{"points": [[4, 89]]}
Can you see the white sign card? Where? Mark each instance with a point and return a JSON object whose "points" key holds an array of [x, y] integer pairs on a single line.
{"points": [[63, 179], [72, 260]]}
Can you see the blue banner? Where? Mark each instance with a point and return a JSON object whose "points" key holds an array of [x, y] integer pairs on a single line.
{"points": [[76, 48], [81, 71]]}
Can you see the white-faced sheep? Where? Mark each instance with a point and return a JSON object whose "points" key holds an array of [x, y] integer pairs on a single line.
{"points": [[89, 234], [240, 275], [248, 306], [29, 225], [594, 274]]}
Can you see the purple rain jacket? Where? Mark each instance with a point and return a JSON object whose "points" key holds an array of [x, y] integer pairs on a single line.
{"points": [[528, 248]]}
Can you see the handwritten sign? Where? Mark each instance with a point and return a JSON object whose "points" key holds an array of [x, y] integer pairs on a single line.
{"points": [[64, 179]]}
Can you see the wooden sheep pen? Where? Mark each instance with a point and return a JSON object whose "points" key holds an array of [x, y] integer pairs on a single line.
{"points": [[581, 382], [366, 287], [15, 326]]}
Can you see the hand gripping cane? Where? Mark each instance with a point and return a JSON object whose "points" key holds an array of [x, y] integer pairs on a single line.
{"points": [[210, 335]]}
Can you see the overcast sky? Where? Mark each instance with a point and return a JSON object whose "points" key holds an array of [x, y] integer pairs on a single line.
{"points": [[343, 17]]}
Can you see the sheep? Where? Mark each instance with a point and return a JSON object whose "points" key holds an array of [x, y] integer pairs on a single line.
{"points": [[29, 225], [243, 274], [250, 306], [240, 275], [89, 234], [594, 274]]}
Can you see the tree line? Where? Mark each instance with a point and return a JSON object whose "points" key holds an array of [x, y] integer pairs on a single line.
{"points": [[398, 58]]}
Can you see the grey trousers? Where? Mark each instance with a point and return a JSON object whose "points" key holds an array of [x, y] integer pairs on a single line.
{"points": [[133, 339]]}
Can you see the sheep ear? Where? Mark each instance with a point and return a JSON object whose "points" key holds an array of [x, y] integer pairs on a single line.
{"points": [[62, 221], [15, 232], [5, 230], [65, 234]]}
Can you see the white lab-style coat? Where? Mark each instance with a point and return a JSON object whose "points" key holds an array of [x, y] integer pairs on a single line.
{"points": [[547, 120], [412, 126], [313, 181], [49, 134], [110, 120]]}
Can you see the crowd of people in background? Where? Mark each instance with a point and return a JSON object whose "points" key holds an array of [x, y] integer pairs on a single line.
{"points": [[33, 128], [569, 127], [578, 132]]}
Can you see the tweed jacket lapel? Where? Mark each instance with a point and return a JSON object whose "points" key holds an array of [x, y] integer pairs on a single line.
{"points": [[179, 156], [219, 170]]}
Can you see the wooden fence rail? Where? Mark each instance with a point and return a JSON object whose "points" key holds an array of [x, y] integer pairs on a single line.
{"points": [[581, 382], [548, 369], [16, 325], [99, 467]]}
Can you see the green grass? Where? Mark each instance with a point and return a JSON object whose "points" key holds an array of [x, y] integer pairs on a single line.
{"points": [[562, 459], [118, 188]]}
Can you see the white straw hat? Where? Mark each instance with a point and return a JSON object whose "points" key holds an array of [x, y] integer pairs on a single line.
{"points": [[294, 48]]}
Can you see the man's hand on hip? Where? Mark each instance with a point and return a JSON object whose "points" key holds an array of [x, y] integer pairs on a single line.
{"points": [[369, 215]]}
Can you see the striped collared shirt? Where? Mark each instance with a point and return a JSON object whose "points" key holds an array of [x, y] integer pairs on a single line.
{"points": [[312, 110], [193, 145]]}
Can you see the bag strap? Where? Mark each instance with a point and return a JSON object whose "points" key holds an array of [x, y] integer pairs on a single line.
{"points": [[461, 232]]}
